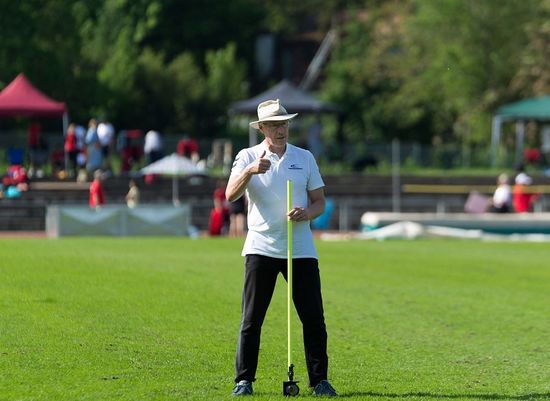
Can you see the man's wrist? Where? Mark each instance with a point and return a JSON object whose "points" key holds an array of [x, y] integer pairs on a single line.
{"points": [[247, 173]]}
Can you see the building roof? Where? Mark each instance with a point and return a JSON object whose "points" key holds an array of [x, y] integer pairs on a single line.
{"points": [[292, 98]]}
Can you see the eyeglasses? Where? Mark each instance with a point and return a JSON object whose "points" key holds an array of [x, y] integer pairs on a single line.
{"points": [[273, 125]]}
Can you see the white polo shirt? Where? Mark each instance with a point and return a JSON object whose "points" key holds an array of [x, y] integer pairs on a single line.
{"points": [[267, 209]]}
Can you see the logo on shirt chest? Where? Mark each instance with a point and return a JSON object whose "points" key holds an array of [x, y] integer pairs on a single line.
{"points": [[295, 166]]}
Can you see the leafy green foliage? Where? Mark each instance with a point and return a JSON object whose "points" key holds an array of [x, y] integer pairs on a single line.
{"points": [[422, 70], [147, 88], [470, 54], [533, 75]]}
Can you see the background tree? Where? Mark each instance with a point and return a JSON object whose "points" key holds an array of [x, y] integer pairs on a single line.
{"points": [[155, 66], [410, 69], [469, 52], [41, 39], [366, 69], [533, 75], [425, 69]]}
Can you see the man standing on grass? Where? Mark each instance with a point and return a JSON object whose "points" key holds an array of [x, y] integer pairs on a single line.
{"points": [[262, 172]]}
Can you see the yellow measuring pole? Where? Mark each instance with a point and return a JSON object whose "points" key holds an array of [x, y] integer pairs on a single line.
{"points": [[289, 263]]}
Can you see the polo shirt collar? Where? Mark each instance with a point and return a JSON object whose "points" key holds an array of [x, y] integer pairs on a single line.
{"points": [[269, 153]]}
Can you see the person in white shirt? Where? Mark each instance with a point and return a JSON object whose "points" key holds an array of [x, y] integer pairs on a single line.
{"points": [[152, 146], [260, 173], [106, 134], [502, 198]]}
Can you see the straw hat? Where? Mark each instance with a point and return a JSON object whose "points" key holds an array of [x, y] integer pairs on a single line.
{"points": [[271, 110]]}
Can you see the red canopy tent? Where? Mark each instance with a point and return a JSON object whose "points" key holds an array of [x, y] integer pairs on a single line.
{"points": [[21, 98]]}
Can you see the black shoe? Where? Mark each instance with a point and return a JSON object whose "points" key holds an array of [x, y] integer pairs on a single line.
{"points": [[244, 387], [324, 389]]}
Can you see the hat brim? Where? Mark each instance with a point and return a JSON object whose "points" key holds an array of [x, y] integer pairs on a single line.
{"points": [[256, 124]]}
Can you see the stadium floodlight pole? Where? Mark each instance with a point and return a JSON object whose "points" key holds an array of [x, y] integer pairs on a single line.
{"points": [[290, 387]]}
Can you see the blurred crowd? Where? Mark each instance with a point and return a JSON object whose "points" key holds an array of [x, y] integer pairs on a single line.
{"points": [[88, 149], [519, 197]]}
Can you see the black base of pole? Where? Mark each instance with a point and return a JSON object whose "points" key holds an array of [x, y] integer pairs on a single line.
{"points": [[290, 387]]}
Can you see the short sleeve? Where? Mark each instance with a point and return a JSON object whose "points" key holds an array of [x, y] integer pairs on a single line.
{"points": [[240, 162], [315, 180]]}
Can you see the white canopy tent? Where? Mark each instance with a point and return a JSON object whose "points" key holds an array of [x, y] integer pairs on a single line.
{"points": [[175, 166]]}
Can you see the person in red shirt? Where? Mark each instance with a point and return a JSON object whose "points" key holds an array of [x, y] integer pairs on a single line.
{"points": [[71, 149], [33, 141], [97, 195], [532, 155], [523, 198], [219, 215], [188, 147], [17, 177]]}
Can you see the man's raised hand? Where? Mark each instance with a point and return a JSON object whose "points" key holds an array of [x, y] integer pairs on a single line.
{"points": [[260, 165]]}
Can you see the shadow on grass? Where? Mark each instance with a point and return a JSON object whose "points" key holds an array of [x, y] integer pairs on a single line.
{"points": [[533, 396]]}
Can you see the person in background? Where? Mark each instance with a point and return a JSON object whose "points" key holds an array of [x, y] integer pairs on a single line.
{"points": [[219, 215], [34, 143], [522, 195], [152, 148], [91, 132], [322, 222], [71, 150], [16, 180], [188, 147], [97, 195], [94, 158], [502, 198], [237, 217], [80, 133], [106, 136], [262, 172], [129, 148], [132, 197]]}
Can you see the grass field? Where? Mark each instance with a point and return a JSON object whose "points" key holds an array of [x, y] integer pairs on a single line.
{"points": [[157, 319]]}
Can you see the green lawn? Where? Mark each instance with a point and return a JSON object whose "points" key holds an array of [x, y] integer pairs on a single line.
{"points": [[157, 319]]}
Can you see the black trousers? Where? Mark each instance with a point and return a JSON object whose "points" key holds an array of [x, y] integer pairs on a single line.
{"points": [[259, 283]]}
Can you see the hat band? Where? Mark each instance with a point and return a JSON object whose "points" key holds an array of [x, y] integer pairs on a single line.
{"points": [[276, 114]]}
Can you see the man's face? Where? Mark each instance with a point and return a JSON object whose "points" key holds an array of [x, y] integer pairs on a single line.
{"points": [[276, 132]]}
